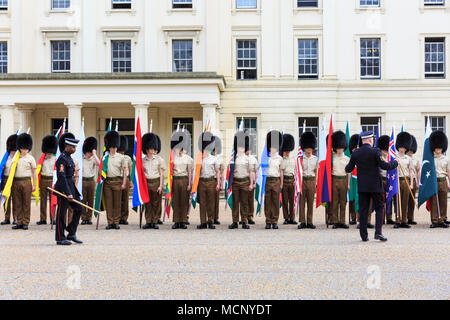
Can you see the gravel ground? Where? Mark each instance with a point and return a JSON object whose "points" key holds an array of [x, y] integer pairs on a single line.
{"points": [[225, 264]]}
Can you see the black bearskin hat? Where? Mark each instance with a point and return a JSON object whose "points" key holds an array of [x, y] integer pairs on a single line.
{"points": [[308, 141], [24, 141], [206, 141], [404, 140], [90, 144], [274, 139], [62, 141], [438, 139], [339, 140], [413, 147], [383, 143], [49, 144], [288, 143], [151, 141], [241, 140], [181, 140], [354, 142], [123, 145], [11, 143], [112, 140], [217, 145]]}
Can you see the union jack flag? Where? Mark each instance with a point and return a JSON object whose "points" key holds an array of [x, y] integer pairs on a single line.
{"points": [[298, 177], [391, 175]]}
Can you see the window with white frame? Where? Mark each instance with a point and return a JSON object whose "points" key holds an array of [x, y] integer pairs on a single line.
{"points": [[434, 58], [434, 2], [309, 124], [3, 5], [60, 4], [60, 56], [370, 62], [307, 3], [371, 124], [121, 4], [121, 55], [437, 123], [181, 4], [250, 127], [369, 3], [246, 4], [3, 57], [182, 55], [246, 60], [308, 59]]}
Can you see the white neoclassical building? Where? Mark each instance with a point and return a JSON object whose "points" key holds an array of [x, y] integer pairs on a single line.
{"points": [[274, 63]]}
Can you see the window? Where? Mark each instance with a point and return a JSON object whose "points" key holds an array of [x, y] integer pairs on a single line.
{"points": [[181, 4], [311, 124], [437, 123], [245, 4], [307, 3], [60, 56], [371, 124], [370, 59], [182, 55], [251, 128], [60, 4], [121, 56], [308, 59], [3, 57], [434, 2], [369, 3], [121, 4], [187, 124], [434, 58], [57, 124], [246, 60], [3, 5]]}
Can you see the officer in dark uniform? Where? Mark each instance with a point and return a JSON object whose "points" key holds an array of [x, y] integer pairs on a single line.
{"points": [[65, 184], [370, 186]]}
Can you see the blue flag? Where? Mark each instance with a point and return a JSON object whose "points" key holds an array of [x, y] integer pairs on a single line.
{"points": [[391, 175], [428, 178]]}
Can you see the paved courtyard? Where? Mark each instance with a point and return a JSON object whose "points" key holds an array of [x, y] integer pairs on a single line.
{"points": [[225, 264]]}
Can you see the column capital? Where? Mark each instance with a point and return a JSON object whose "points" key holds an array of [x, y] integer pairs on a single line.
{"points": [[73, 105], [210, 105], [8, 106], [25, 109], [140, 104]]}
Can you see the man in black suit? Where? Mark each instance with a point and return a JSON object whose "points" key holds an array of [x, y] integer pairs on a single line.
{"points": [[368, 161]]}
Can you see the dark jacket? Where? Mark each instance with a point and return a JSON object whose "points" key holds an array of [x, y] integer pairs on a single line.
{"points": [[65, 169], [368, 161]]}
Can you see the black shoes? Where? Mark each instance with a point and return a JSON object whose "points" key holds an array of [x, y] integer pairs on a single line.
{"points": [[345, 226], [412, 222], [109, 227], [211, 225], [42, 222], [64, 243], [216, 221], [17, 227], [268, 225], [5, 222], [240, 222], [286, 221], [380, 237], [234, 225], [14, 222], [310, 226], [302, 225], [159, 222], [86, 222], [335, 226], [147, 226], [404, 226], [202, 226], [251, 222], [123, 222], [24, 227], [370, 226], [352, 223], [274, 226], [176, 226], [390, 221], [74, 239], [245, 226], [396, 225], [183, 225], [365, 239], [443, 225]]}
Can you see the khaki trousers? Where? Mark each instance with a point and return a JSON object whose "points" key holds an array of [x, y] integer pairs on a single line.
{"points": [[153, 207], [442, 195], [216, 208], [288, 199], [88, 198], [307, 199], [207, 194], [21, 193], [404, 197], [339, 200], [272, 200], [112, 191], [411, 204], [240, 200], [9, 210], [251, 205], [44, 196], [125, 199], [180, 199]]}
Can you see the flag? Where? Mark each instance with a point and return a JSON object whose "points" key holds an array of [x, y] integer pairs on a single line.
{"points": [[428, 178], [229, 182], [140, 191], [324, 173], [260, 190], [169, 184], [196, 173], [7, 190], [102, 170], [391, 175], [38, 177], [298, 176], [2, 166], [79, 157]]}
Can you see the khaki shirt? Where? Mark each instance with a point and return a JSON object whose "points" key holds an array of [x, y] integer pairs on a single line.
{"points": [[310, 165], [254, 162], [47, 167], [242, 167], [152, 166], [221, 162], [116, 163], [181, 165], [273, 170], [339, 164], [25, 166], [89, 167], [406, 163], [442, 166], [288, 166], [8, 164], [415, 165], [209, 167], [129, 163]]}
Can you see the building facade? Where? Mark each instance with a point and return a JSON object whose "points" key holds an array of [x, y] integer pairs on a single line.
{"points": [[276, 64]]}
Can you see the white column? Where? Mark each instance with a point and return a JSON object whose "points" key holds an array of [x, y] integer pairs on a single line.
{"points": [[329, 39], [74, 118], [26, 119], [141, 111], [210, 115], [7, 124]]}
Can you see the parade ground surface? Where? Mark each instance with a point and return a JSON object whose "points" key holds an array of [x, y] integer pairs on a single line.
{"points": [[225, 264]]}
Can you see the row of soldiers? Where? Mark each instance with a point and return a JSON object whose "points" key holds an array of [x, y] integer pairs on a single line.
{"points": [[280, 179]]}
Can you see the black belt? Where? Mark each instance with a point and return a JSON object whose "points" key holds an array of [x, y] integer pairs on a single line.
{"points": [[208, 179], [403, 178], [288, 177], [180, 177], [441, 179], [22, 179], [272, 179], [153, 180], [309, 178], [89, 179], [46, 177], [241, 179], [339, 177], [114, 179]]}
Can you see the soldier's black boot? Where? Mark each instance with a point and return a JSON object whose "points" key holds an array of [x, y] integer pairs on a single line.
{"points": [[211, 225], [390, 221], [344, 226], [176, 226], [443, 225], [89, 222], [15, 222], [336, 226], [216, 221], [183, 225], [42, 222], [396, 225], [370, 226], [405, 226], [159, 221], [434, 225], [250, 221], [240, 222], [123, 222], [302, 225], [412, 222], [116, 226], [109, 227], [274, 226], [286, 221], [84, 222], [17, 227], [147, 226], [24, 227], [245, 226], [268, 225], [294, 222], [202, 226], [74, 239], [5, 222], [310, 226], [63, 243], [380, 237], [352, 223], [234, 225]]}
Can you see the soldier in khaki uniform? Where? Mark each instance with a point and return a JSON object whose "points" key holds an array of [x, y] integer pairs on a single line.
{"points": [[183, 166], [116, 180], [91, 162], [353, 145], [403, 144], [288, 191], [251, 194], [340, 180], [274, 181], [218, 154], [383, 145], [310, 166], [209, 183], [11, 147], [49, 147], [154, 167], [124, 207], [24, 182], [439, 145], [415, 177]]}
